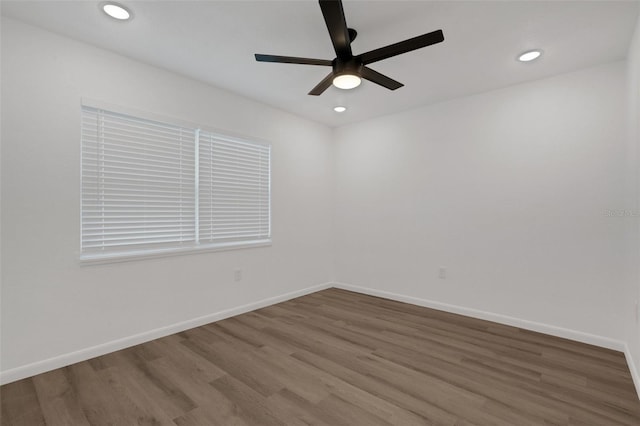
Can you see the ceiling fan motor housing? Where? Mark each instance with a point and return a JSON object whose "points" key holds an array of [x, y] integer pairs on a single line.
{"points": [[351, 66]]}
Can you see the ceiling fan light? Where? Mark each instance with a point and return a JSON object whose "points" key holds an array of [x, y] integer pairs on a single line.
{"points": [[346, 81]]}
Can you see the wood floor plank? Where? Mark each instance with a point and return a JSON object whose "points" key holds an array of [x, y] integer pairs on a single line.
{"points": [[58, 400], [212, 407], [240, 365], [101, 403], [174, 401], [323, 384], [345, 413], [152, 411], [191, 366], [294, 376], [250, 333], [337, 358], [203, 416], [295, 408], [506, 392], [20, 404], [254, 408], [432, 413]]}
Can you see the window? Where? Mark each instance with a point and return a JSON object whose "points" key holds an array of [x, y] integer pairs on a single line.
{"points": [[233, 196], [150, 187]]}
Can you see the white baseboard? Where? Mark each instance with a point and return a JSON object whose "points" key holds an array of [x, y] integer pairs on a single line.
{"points": [[632, 369], [566, 333], [29, 370]]}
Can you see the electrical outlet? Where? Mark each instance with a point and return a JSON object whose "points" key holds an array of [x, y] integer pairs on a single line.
{"points": [[237, 274], [442, 273]]}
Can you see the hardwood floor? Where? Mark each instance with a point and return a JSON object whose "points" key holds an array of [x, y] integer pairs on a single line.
{"points": [[337, 358]]}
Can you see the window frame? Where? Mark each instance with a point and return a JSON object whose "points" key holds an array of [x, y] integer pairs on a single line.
{"points": [[132, 254]]}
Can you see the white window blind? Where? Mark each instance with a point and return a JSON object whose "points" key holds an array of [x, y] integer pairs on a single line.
{"points": [[233, 190], [151, 187]]}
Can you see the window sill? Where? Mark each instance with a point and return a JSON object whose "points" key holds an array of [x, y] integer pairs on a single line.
{"points": [[128, 256]]}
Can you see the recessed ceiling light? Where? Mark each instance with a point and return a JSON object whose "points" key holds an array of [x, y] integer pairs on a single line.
{"points": [[529, 55], [347, 81], [116, 11], [339, 109]]}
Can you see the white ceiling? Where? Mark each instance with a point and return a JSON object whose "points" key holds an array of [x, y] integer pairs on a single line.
{"points": [[214, 41]]}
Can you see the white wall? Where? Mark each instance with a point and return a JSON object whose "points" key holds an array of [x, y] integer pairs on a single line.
{"points": [[51, 306], [507, 190], [632, 328]]}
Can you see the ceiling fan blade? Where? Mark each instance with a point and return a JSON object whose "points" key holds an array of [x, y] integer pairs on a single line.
{"points": [[337, 26], [291, 60], [322, 86], [381, 79], [402, 47]]}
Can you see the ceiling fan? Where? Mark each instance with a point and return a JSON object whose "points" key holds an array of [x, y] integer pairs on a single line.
{"points": [[348, 70]]}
